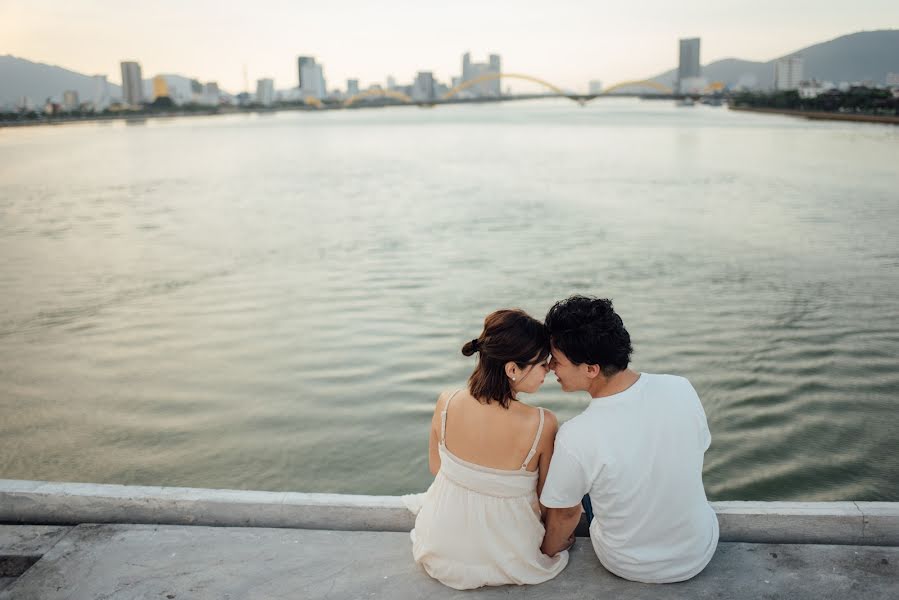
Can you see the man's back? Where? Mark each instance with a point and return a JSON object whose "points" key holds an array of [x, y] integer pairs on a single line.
{"points": [[639, 453]]}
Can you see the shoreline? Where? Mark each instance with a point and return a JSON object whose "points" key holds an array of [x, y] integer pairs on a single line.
{"points": [[822, 116], [137, 117]]}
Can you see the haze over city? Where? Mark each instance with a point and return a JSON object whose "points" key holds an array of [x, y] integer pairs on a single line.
{"points": [[569, 43]]}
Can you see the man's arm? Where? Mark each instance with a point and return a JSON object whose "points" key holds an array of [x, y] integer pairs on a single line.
{"points": [[560, 526]]}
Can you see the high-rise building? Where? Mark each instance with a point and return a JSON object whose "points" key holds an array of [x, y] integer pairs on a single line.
{"points": [[471, 70], [265, 92], [160, 87], [423, 88], [352, 87], [688, 66], [391, 82], [312, 78], [788, 73], [101, 93], [301, 62], [70, 100], [132, 83]]}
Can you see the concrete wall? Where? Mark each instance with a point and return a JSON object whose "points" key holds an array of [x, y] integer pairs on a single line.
{"points": [[51, 503]]}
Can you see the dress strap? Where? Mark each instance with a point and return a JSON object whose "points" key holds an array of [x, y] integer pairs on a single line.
{"points": [[443, 417], [536, 440]]}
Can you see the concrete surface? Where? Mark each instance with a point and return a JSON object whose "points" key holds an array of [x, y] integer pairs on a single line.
{"points": [[22, 546], [176, 562], [41, 502]]}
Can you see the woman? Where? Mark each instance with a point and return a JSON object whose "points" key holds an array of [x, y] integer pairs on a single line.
{"points": [[480, 521]]}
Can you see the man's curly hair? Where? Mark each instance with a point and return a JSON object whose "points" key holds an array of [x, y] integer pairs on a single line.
{"points": [[588, 330]]}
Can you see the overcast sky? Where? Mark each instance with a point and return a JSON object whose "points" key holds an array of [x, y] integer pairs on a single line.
{"points": [[567, 42]]}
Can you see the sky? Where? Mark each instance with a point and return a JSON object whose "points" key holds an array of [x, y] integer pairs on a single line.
{"points": [[566, 42]]}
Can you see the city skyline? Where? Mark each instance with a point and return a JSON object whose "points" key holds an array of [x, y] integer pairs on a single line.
{"points": [[570, 44]]}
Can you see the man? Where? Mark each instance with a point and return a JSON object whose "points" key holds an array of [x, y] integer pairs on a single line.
{"points": [[636, 453]]}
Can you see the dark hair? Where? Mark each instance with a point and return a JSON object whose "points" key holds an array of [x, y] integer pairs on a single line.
{"points": [[588, 330], [509, 335]]}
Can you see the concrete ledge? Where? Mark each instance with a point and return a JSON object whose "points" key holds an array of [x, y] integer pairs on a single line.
{"points": [[51, 503]]}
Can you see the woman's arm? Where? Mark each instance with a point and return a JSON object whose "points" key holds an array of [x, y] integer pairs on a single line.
{"points": [[545, 452], [434, 439]]}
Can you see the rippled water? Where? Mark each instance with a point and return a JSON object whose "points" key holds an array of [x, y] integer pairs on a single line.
{"points": [[274, 302]]}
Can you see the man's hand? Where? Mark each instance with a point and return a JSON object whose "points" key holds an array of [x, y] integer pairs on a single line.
{"points": [[560, 526]]}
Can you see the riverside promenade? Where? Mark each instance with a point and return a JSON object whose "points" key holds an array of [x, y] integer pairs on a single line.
{"points": [[74, 541]]}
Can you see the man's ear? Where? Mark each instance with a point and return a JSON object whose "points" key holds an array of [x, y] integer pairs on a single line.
{"points": [[593, 371]]}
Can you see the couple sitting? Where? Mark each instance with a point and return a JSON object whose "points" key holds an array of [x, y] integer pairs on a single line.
{"points": [[510, 483]]}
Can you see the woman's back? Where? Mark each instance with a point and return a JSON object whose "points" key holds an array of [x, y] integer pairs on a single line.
{"points": [[490, 435], [479, 522]]}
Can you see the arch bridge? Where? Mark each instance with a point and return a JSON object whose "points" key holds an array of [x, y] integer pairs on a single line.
{"points": [[579, 98], [378, 93]]}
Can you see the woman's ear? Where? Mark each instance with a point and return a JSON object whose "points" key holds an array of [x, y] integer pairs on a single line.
{"points": [[511, 370]]}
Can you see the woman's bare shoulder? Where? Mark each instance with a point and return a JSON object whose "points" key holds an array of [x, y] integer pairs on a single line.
{"points": [[444, 396], [550, 426]]}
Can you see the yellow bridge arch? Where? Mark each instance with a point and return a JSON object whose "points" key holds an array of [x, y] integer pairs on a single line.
{"points": [[491, 76], [383, 93], [646, 83], [664, 89]]}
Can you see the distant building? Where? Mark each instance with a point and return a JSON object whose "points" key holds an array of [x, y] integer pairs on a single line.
{"points": [[892, 79], [70, 100], [391, 82], [100, 99], [352, 87], [302, 61], [211, 93], [788, 73], [688, 66], [814, 88], [160, 87], [132, 86], [595, 86], [265, 92], [312, 78], [423, 88], [472, 70], [196, 92]]}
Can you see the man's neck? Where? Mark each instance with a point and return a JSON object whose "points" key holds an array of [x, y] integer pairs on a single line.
{"points": [[617, 383]]}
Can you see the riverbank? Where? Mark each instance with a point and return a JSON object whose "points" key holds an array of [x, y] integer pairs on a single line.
{"points": [[823, 116], [137, 117], [198, 543]]}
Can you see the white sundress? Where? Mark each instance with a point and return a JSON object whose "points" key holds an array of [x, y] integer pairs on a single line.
{"points": [[478, 526]]}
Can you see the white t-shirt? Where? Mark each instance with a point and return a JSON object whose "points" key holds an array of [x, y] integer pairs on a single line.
{"points": [[639, 455]]}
